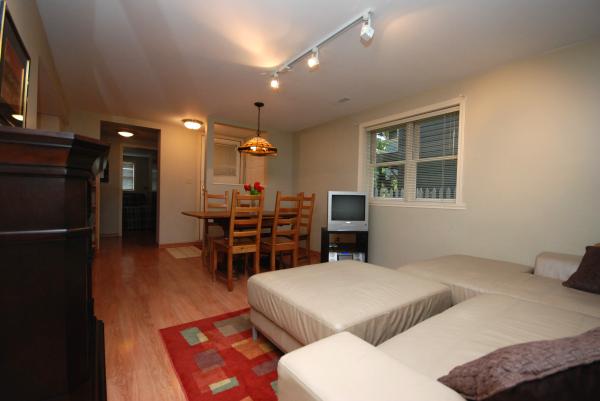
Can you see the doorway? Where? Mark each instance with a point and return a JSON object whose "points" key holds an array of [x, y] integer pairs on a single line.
{"points": [[129, 197], [139, 171]]}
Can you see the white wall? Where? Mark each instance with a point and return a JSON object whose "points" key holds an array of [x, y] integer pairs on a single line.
{"points": [[179, 159], [530, 169]]}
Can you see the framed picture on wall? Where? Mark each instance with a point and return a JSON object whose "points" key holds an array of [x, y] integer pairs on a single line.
{"points": [[14, 72]]}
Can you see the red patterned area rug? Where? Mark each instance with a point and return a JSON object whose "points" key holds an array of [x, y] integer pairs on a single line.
{"points": [[217, 359]]}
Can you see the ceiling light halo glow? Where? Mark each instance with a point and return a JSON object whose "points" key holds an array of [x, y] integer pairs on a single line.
{"points": [[125, 134], [192, 124]]}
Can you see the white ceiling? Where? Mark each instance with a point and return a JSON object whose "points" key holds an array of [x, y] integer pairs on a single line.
{"points": [[163, 60]]}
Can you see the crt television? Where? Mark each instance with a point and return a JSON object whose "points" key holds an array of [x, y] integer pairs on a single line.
{"points": [[347, 211]]}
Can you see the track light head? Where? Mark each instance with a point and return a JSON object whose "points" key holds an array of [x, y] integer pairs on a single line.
{"points": [[313, 60], [367, 31], [274, 83]]}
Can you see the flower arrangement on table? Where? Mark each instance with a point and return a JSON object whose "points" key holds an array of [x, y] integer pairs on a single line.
{"points": [[255, 189]]}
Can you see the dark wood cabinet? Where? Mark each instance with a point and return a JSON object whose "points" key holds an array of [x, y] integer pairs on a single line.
{"points": [[51, 344]]}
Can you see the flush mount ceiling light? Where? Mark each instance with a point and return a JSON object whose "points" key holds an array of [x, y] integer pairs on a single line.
{"points": [[18, 117], [313, 60], [125, 134], [366, 35], [258, 146], [192, 124]]}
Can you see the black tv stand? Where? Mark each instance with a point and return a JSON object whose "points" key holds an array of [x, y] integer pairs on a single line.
{"points": [[342, 245]]}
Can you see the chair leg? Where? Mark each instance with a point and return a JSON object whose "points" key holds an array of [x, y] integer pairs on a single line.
{"points": [[213, 261], [229, 271], [295, 257], [256, 262], [272, 259], [307, 249]]}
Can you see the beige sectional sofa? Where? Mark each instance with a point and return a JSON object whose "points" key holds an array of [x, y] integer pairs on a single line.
{"points": [[496, 304]]}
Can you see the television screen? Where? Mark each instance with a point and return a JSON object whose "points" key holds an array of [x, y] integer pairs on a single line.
{"points": [[348, 207]]}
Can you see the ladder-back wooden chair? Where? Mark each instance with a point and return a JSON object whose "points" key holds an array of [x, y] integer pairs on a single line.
{"points": [[217, 203], [285, 229], [244, 233], [306, 215]]}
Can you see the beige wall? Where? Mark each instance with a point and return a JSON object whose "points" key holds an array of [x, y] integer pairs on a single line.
{"points": [[530, 168], [180, 158], [29, 25], [49, 122]]}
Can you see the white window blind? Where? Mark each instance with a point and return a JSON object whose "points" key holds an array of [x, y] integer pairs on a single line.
{"points": [[128, 176], [415, 159]]}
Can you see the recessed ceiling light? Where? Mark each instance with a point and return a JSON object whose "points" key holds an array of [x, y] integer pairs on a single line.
{"points": [[18, 117], [192, 124], [125, 134]]}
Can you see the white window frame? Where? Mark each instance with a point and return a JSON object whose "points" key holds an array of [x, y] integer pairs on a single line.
{"points": [[365, 180], [132, 176]]}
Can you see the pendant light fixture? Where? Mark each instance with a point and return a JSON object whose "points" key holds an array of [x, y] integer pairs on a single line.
{"points": [[258, 146]]}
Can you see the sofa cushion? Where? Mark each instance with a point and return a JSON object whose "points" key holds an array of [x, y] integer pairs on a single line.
{"points": [[372, 302], [469, 277], [479, 326], [559, 266], [561, 369], [343, 367], [587, 276]]}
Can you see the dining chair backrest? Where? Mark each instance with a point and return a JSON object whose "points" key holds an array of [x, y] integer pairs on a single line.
{"points": [[306, 212], [245, 217], [216, 202], [286, 220]]}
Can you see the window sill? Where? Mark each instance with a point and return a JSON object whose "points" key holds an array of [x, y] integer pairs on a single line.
{"points": [[418, 204]]}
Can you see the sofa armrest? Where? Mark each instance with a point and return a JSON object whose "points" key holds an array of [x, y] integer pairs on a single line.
{"points": [[343, 367], [559, 266]]}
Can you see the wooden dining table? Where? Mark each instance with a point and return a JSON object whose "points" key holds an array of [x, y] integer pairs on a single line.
{"points": [[221, 217]]}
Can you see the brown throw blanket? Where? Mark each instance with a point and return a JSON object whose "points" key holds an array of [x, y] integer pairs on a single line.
{"points": [[563, 369]]}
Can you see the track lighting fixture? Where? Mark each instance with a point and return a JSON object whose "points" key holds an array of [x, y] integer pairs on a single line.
{"points": [[275, 81], [367, 31], [313, 60], [366, 35]]}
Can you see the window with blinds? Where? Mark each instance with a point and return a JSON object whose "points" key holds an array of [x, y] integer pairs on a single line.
{"points": [[128, 173], [415, 159]]}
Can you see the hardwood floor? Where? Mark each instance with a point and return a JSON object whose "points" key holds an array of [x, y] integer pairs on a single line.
{"points": [[140, 289]]}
